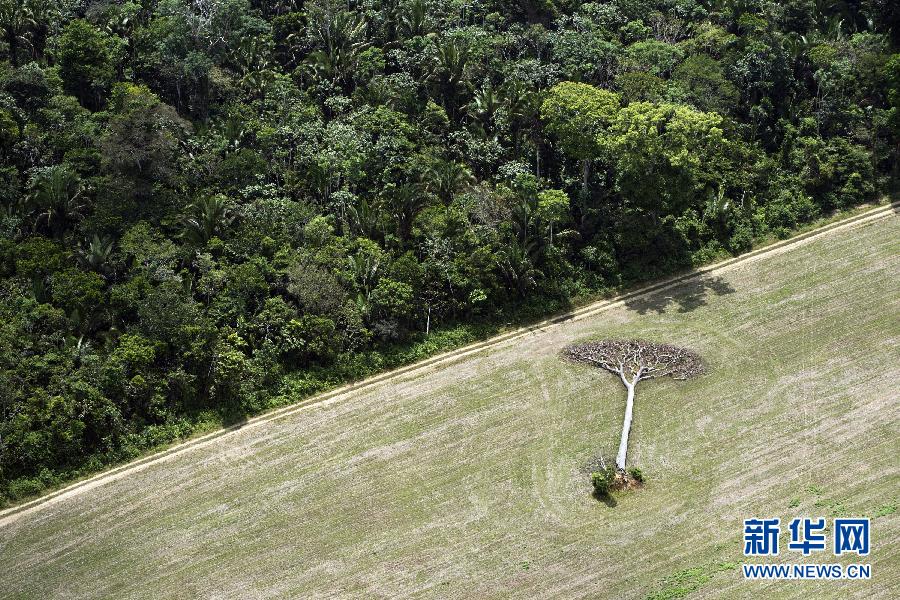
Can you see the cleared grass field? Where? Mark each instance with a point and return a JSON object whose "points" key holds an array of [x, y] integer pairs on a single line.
{"points": [[466, 481]]}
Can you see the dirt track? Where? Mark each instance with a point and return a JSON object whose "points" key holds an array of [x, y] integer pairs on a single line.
{"points": [[16, 513]]}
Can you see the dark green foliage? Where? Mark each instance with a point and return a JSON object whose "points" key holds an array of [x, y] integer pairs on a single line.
{"points": [[636, 474], [790, 208], [603, 480], [209, 211], [85, 64]]}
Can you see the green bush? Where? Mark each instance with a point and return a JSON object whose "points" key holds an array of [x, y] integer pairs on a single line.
{"points": [[741, 239], [603, 480], [636, 474], [790, 209]]}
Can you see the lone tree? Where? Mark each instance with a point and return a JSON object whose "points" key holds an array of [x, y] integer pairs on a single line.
{"points": [[634, 361]]}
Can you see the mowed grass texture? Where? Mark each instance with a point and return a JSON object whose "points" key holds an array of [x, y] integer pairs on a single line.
{"points": [[467, 481]]}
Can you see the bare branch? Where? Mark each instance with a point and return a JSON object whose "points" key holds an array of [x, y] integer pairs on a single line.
{"points": [[636, 360]]}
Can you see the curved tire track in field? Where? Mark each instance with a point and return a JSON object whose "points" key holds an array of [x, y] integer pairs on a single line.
{"points": [[15, 513]]}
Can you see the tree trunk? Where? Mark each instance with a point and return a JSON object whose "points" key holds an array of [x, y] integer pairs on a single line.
{"points": [[585, 176], [626, 428], [12, 42]]}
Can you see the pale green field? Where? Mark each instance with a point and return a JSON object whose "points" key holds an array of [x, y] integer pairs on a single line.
{"points": [[465, 482]]}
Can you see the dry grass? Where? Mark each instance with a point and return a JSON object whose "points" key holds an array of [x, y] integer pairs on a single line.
{"points": [[466, 482]]}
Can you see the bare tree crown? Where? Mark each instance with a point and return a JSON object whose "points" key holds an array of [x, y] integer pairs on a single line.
{"points": [[636, 360], [633, 361]]}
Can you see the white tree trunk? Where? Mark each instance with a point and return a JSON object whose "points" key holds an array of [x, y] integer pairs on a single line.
{"points": [[626, 428]]}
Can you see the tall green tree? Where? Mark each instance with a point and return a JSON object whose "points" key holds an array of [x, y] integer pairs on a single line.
{"points": [[85, 63], [579, 116]]}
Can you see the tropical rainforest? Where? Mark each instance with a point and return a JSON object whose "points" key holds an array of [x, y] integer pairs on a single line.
{"points": [[215, 207]]}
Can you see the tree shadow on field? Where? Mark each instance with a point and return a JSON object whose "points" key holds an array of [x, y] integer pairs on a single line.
{"points": [[685, 296], [606, 499]]}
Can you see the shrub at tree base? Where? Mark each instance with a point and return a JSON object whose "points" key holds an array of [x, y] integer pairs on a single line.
{"points": [[603, 481], [636, 474], [612, 479]]}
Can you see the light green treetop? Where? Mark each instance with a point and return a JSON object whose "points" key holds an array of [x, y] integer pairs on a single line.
{"points": [[578, 114]]}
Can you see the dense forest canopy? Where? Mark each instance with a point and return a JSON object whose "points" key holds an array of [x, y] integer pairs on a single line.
{"points": [[210, 207]]}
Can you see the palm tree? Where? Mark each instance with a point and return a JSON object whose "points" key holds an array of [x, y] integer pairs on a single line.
{"points": [[450, 71], [275, 8], [251, 56], [320, 181], [406, 200], [522, 107], [518, 267], [531, 230], [41, 14], [207, 218], [447, 177], [365, 269], [233, 130], [16, 17], [96, 256], [339, 37], [520, 260], [412, 19], [484, 105], [56, 193], [364, 217]]}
